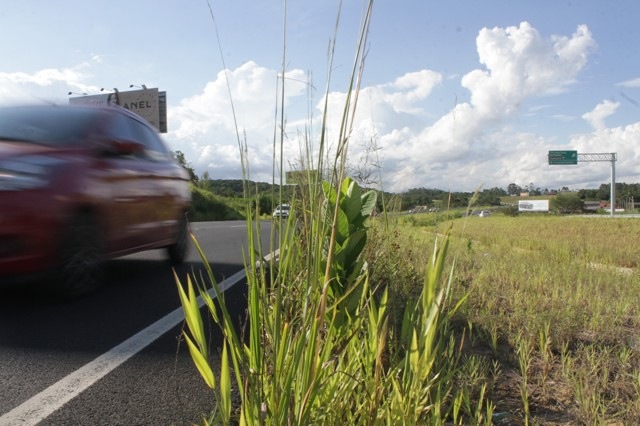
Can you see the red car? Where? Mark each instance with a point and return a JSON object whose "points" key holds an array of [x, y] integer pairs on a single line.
{"points": [[81, 184]]}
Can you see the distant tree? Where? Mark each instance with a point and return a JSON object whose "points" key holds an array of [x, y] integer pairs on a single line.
{"points": [[421, 197], [627, 190], [588, 194], [512, 211], [456, 199], [204, 182], [604, 192], [187, 166], [264, 204], [567, 202], [491, 196], [514, 189]]}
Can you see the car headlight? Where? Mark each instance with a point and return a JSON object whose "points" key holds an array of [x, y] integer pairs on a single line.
{"points": [[25, 173]]}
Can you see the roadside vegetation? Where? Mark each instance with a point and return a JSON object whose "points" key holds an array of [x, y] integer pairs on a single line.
{"points": [[318, 346], [552, 321], [416, 319]]}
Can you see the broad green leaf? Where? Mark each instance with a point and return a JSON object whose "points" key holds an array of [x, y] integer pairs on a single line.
{"points": [[329, 193], [343, 227], [352, 203], [354, 245], [368, 203], [346, 186]]}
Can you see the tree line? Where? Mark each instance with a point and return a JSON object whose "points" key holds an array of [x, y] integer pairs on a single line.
{"points": [[412, 198]]}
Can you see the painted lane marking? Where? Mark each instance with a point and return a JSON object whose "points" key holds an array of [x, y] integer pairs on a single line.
{"points": [[42, 405]]}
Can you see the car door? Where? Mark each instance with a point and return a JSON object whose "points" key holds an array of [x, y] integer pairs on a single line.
{"points": [[166, 183], [128, 194]]}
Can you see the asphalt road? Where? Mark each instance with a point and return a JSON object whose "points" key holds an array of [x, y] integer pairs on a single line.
{"points": [[115, 357]]}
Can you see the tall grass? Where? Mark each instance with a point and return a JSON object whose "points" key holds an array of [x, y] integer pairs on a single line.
{"points": [[423, 321], [320, 345]]}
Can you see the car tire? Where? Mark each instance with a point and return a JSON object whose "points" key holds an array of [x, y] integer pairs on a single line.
{"points": [[82, 257], [180, 248]]}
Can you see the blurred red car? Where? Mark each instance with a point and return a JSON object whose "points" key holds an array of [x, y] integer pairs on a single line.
{"points": [[81, 184]]}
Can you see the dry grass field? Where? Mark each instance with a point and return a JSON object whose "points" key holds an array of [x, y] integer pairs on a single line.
{"points": [[551, 327]]}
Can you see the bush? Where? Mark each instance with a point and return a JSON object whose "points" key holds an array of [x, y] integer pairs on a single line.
{"points": [[205, 206], [512, 211], [567, 202], [265, 204]]}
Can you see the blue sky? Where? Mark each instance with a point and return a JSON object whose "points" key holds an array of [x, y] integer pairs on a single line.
{"points": [[455, 94]]}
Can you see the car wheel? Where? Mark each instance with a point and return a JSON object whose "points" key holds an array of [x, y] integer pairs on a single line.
{"points": [[178, 251], [82, 257]]}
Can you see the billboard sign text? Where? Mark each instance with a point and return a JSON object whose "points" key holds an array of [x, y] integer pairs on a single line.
{"points": [[147, 103], [533, 205]]}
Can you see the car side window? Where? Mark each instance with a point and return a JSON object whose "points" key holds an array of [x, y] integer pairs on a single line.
{"points": [[155, 149], [119, 128]]}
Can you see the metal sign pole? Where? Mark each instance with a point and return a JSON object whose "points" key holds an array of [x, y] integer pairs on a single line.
{"points": [[573, 157], [613, 183]]}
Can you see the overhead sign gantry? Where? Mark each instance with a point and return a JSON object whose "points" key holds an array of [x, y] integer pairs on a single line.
{"points": [[573, 157]]}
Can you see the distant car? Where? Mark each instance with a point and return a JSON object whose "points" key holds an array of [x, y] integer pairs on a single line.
{"points": [[485, 213], [282, 210], [82, 184]]}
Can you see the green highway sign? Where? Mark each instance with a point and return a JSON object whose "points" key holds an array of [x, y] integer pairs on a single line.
{"points": [[563, 157]]}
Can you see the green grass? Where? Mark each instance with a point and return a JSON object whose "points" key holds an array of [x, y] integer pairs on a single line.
{"points": [[319, 345], [206, 206], [437, 319], [559, 295]]}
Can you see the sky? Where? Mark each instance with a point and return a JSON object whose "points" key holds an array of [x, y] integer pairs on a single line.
{"points": [[454, 94]]}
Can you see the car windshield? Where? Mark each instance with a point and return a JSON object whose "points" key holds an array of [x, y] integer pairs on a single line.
{"points": [[48, 125]]}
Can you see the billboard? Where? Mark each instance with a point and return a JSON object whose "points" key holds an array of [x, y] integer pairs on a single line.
{"points": [[533, 205], [149, 104]]}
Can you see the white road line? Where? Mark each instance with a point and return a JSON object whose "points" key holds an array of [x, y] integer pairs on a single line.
{"points": [[40, 406]]}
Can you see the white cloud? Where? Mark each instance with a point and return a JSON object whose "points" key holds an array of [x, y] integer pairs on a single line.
{"points": [[520, 64], [620, 140], [204, 126], [563, 117], [46, 85], [473, 143], [470, 144], [96, 57], [412, 87], [635, 83], [599, 113]]}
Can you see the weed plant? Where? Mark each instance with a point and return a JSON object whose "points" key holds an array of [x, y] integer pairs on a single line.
{"points": [[358, 322], [319, 345]]}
